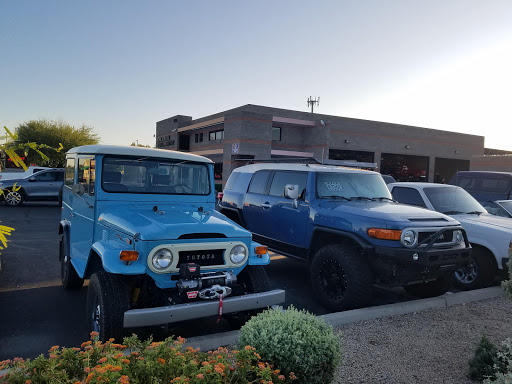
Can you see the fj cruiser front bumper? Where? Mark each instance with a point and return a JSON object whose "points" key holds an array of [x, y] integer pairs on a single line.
{"points": [[197, 309]]}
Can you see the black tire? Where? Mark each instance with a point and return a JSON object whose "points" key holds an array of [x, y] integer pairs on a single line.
{"points": [[254, 278], [429, 289], [68, 275], [108, 298], [480, 272], [341, 278], [13, 198]]}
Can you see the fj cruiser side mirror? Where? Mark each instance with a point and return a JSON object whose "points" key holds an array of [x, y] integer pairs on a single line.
{"points": [[291, 191], [78, 189]]}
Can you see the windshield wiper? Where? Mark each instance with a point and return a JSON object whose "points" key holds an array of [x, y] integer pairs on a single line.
{"points": [[384, 198], [335, 197], [474, 213], [452, 212], [360, 198]]}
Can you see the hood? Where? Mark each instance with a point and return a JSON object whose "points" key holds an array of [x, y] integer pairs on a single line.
{"points": [[486, 219], [388, 212], [169, 222]]}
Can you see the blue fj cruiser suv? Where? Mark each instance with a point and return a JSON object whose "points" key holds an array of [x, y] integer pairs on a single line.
{"points": [[344, 223], [141, 224]]}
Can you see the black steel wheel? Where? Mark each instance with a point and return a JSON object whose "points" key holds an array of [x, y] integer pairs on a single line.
{"points": [[341, 278], [108, 298], [68, 275], [429, 289]]}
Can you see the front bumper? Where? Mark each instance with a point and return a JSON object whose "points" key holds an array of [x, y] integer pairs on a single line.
{"points": [[197, 309]]}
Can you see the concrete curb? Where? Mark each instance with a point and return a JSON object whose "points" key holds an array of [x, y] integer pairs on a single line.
{"points": [[209, 342]]}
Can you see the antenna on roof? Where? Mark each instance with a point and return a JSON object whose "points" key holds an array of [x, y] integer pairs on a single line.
{"points": [[312, 102]]}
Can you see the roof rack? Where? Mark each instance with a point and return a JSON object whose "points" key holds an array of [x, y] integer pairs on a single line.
{"points": [[314, 161]]}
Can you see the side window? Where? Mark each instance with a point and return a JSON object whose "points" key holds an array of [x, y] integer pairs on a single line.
{"points": [[87, 174], [409, 196], [46, 176], [70, 172], [281, 178], [259, 182]]}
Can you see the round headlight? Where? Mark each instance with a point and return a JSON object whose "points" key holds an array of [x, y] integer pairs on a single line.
{"points": [[162, 259], [408, 238], [457, 236], [237, 254]]}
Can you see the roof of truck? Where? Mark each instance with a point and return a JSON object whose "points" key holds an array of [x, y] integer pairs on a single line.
{"points": [[99, 149], [299, 167]]}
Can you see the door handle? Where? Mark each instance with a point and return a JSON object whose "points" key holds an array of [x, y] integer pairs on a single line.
{"points": [[265, 205]]}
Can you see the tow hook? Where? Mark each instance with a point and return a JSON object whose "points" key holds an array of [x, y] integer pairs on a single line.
{"points": [[214, 292]]}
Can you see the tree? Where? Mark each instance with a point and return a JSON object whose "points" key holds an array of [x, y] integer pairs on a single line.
{"points": [[133, 144], [53, 133]]}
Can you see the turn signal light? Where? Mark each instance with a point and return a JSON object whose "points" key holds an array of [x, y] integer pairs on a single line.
{"points": [[129, 255], [384, 234], [261, 250]]}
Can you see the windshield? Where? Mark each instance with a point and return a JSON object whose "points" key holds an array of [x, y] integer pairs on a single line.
{"points": [[351, 185], [507, 205], [155, 176], [453, 200]]}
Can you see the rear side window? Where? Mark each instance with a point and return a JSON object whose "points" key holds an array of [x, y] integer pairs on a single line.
{"points": [[259, 182], [70, 171], [87, 174], [408, 196], [282, 178], [232, 180]]}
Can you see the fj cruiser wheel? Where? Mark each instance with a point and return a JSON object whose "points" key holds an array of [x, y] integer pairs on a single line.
{"points": [[255, 279], [68, 275], [341, 278], [13, 198], [107, 300], [479, 273], [429, 289]]}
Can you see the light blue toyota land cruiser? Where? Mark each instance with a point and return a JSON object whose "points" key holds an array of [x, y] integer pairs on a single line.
{"points": [[140, 224]]}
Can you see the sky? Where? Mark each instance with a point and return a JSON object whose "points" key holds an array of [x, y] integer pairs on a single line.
{"points": [[120, 66]]}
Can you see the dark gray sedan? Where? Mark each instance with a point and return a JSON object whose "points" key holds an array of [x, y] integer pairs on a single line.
{"points": [[43, 185]]}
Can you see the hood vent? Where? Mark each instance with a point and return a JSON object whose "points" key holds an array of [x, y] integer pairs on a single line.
{"points": [[202, 236], [423, 219]]}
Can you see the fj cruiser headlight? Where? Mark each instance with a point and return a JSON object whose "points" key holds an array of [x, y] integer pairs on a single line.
{"points": [[238, 254], [161, 259], [408, 238], [457, 236]]}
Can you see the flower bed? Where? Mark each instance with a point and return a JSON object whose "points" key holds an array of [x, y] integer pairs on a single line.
{"points": [[137, 361]]}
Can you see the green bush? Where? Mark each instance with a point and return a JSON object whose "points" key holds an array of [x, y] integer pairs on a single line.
{"points": [[502, 373], [296, 342], [146, 362], [481, 366]]}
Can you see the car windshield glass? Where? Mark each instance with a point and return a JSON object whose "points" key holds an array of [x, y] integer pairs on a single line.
{"points": [[507, 205], [450, 200], [351, 185], [154, 176]]}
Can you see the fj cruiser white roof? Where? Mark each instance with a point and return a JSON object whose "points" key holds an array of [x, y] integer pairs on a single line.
{"points": [[300, 167], [137, 151]]}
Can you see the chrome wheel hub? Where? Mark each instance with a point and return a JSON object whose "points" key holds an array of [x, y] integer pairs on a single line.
{"points": [[13, 198]]}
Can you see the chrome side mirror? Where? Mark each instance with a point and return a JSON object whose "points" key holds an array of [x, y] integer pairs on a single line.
{"points": [[291, 191]]}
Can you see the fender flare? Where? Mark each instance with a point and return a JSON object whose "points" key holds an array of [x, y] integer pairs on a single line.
{"points": [[111, 263], [365, 246]]}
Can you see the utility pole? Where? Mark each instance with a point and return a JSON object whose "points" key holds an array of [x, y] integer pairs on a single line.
{"points": [[313, 102]]}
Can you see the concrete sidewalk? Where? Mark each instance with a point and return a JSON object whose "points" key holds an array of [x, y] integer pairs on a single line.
{"points": [[209, 342]]}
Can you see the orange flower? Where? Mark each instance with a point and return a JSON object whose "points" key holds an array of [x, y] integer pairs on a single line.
{"points": [[261, 365], [94, 334], [89, 377], [204, 363], [116, 368], [88, 348], [276, 372], [281, 377], [102, 360], [124, 379], [126, 361], [55, 347], [161, 361], [28, 382], [200, 376], [247, 347], [52, 356]]}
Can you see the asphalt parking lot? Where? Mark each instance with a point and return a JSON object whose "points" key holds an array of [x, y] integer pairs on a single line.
{"points": [[37, 313]]}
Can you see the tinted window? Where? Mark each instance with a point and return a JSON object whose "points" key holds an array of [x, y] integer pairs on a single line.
{"points": [[232, 180], [452, 200], [408, 196], [281, 179], [70, 171], [258, 182], [48, 176]]}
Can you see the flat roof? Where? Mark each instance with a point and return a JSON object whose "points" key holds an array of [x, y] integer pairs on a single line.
{"points": [[99, 149]]}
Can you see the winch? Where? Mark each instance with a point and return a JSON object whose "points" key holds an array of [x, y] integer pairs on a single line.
{"points": [[207, 286]]}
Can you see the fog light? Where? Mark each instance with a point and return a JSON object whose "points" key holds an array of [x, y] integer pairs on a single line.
{"points": [[415, 257]]}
